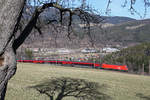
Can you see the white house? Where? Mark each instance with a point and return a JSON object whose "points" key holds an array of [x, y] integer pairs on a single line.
{"points": [[110, 50], [88, 50]]}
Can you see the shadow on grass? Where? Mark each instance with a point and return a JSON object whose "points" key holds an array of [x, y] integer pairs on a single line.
{"points": [[59, 88], [142, 96]]}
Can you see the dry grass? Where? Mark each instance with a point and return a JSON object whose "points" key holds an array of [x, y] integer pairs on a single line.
{"points": [[120, 86]]}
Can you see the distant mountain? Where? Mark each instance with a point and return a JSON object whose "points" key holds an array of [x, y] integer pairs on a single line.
{"points": [[127, 34], [117, 19], [51, 13]]}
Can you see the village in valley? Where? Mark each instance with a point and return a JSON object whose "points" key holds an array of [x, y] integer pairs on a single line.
{"points": [[82, 54]]}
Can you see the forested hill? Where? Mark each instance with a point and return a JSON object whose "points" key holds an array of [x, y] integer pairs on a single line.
{"points": [[136, 31], [134, 57]]}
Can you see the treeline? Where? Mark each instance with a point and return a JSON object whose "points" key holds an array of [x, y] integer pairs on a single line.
{"points": [[137, 58]]}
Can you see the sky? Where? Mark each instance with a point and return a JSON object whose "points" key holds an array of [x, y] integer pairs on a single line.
{"points": [[117, 10]]}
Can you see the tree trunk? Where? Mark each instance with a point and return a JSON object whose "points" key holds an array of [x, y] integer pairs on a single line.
{"points": [[4, 93], [9, 14], [7, 70]]}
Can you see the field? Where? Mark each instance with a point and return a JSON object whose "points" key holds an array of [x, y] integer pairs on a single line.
{"points": [[119, 86]]}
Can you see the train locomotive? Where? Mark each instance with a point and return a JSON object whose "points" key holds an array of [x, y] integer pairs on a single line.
{"points": [[72, 63]]}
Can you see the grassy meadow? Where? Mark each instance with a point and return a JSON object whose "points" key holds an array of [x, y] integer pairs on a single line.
{"points": [[119, 86]]}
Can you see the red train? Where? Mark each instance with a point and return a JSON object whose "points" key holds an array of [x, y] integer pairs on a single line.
{"points": [[95, 65]]}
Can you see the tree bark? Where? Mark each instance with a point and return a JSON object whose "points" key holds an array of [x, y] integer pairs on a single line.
{"points": [[4, 93], [7, 70], [9, 13]]}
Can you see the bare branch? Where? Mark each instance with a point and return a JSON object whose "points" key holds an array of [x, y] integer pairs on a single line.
{"points": [[85, 16]]}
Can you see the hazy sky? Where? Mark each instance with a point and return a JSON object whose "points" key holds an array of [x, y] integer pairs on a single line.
{"points": [[117, 10]]}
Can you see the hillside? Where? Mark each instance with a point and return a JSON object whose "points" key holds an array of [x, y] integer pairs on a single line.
{"points": [[115, 30], [126, 33], [117, 19], [130, 32]]}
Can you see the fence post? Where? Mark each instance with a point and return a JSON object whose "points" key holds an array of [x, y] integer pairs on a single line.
{"points": [[142, 72], [139, 69]]}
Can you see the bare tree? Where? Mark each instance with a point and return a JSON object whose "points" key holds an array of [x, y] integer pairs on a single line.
{"points": [[8, 28], [60, 88], [11, 20]]}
